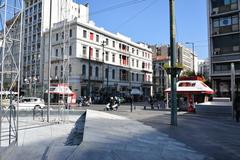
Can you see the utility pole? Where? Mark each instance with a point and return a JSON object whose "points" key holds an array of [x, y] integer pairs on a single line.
{"points": [[173, 63], [49, 60]]}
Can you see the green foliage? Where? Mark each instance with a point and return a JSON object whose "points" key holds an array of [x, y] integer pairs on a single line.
{"points": [[188, 73]]}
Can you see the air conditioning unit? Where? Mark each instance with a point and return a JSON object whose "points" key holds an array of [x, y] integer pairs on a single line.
{"points": [[214, 11], [235, 28], [216, 51], [236, 48], [234, 6], [216, 32]]}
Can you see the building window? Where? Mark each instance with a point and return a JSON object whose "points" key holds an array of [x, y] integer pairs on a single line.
{"points": [[91, 36], [70, 32], [133, 50], [56, 70], [113, 44], [97, 53], [56, 52], [62, 35], [90, 71], [70, 68], [62, 52], [96, 72], [132, 76], [84, 50], [106, 55], [61, 71], [136, 76], [97, 38], [137, 64], [70, 50], [56, 36], [83, 69], [106, 73], [107, 41], [113, 74], [113, 57], [84, 34], [132, 62]]}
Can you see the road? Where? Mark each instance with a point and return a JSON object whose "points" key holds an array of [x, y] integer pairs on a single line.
{"points": [[216, 136]]}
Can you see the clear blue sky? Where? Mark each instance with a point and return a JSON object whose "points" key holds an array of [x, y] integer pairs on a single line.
{"points": [[148, 20]]}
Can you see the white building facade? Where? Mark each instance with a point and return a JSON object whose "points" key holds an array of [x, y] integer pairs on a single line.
{"points": [[98, 61], [35, 23]]}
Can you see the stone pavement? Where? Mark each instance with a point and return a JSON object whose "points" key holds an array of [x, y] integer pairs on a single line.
{"points": [[106, 136]]}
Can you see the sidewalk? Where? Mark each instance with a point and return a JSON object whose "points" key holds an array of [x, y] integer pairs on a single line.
{"points": [[106, 136]]}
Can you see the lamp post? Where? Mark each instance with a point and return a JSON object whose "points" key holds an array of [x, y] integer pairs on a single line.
{"points": [[30, 81], [103, 73], [192, 43]]}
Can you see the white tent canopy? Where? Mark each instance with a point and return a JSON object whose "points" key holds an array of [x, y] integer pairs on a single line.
{"points": [[136, 92], [192, 86]]}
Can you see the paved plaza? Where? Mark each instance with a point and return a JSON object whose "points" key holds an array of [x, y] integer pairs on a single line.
{"points": [[195, 137]]}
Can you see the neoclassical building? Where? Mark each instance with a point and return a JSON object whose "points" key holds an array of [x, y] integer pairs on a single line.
{"points": [[94, 61]]}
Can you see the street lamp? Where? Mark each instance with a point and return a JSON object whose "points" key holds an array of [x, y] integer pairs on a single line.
{"points": [[30, 81], [192, 43], [103, 45]]}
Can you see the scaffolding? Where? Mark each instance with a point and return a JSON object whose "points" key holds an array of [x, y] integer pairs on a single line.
{"points": [[65, 56], [11, 16]]}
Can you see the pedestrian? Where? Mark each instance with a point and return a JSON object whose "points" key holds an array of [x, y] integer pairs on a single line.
{"points": [[236, 106], [131, 101], [151, 102]]}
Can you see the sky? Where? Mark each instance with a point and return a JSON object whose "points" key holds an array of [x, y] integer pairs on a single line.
{"points": [[148, 20]]}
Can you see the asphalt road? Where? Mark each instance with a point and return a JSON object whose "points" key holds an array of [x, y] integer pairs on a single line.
{"points": [[216, 136]]}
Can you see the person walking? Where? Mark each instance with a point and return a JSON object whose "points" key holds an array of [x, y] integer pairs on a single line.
{"points": [[236, 106]]}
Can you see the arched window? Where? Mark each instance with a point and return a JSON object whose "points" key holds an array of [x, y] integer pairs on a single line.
{"points": [[106, 73], [83, 69], [113, 74], [96, 72]]}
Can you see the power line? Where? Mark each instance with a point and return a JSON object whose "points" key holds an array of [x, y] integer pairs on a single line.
{"points": [[117, 6], [135, 15]]}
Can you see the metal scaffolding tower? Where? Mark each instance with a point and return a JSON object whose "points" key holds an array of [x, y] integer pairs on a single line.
{"points": [[65, 54], [11, 16]]}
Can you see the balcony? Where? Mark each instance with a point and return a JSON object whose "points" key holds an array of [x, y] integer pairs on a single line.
{"points": [[224, 9], [226, 58], [229, 51], [92, 78], [227, 29]]}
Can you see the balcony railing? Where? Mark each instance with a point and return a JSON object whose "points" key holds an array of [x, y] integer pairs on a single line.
{"points": [[226, 29], [225, 8]]}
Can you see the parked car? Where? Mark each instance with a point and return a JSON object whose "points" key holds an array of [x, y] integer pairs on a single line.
{"points": [[30, 103]]}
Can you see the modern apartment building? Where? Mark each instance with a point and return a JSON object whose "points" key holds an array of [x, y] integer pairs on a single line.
{"points": [[35, 23], [224, 43], [203, 68], [161, 56], [160, 77], [97, 58]]}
